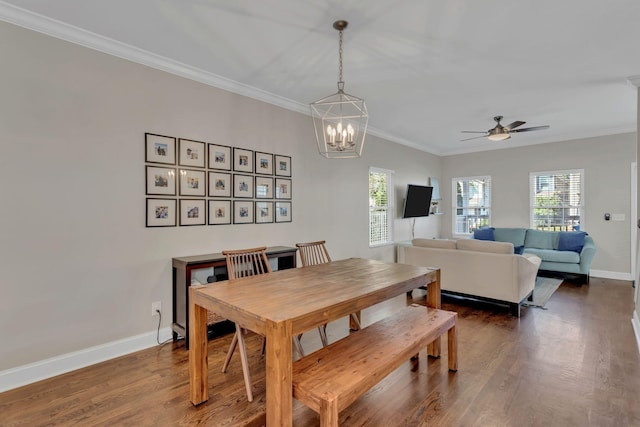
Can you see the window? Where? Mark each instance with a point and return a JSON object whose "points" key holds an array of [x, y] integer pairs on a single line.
{"points": [[472, 204], [380, 206], [556, 200]]}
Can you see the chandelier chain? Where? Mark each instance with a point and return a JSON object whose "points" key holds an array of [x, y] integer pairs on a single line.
{"points": [[340, 82]]}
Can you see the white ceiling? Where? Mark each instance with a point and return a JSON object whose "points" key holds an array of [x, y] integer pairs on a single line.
{"points": [[426, 68]]}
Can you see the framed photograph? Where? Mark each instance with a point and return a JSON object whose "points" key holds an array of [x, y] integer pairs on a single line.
{"points": [[219, 157], [161, 181], [219, 184], [243, 186], [264, 187], [192, 153], [242, 212], [161, 212], [242, 160], [282, 165], [192, 212], [283, 211], [192, 182], [264, 163], [160, 149], [264, 212], [283, 188], [219, 212]]}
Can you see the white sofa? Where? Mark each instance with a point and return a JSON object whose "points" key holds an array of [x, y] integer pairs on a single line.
{"points": [[480, 269]]}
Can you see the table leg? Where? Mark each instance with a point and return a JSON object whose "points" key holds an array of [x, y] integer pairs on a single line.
{"points": [[434, 301], [198, 354], [279, 405]]}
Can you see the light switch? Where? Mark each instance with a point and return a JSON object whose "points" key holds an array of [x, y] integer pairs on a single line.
{"points": [[618, 217]]}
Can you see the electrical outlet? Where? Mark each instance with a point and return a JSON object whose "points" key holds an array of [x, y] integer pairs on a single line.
{"points": [[155, 307]]}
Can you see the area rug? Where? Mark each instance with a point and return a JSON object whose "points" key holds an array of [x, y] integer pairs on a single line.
{"points": [[544, 289]]}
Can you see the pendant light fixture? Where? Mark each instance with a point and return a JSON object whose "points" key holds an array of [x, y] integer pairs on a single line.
{"points": [[340, 120]]}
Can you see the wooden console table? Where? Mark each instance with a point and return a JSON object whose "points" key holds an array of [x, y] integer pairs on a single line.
{"points": [[182, 268]]}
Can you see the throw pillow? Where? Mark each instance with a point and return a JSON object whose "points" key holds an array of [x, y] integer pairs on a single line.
{"points": [[518, 250], [484, 234], [571, 241]]}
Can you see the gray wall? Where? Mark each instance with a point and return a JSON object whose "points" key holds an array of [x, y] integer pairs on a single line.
{"points": [[78, 267], [607, 179]]}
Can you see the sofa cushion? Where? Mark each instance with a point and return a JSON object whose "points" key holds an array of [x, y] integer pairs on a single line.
{"points": [[434, 243], [485, 246], [540, 239], [512, 235], [551, 255], [484, 233], [571, 241]]}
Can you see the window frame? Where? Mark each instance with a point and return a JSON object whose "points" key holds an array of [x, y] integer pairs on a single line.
{"points": [[455, 207], [533, 185], [389, 208]]}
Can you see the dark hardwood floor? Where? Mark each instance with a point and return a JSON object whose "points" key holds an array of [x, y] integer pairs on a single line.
{"points": [[574, 364]]}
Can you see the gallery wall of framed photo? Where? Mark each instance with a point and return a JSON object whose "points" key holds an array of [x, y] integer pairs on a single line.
{"points": [[199, 183]]}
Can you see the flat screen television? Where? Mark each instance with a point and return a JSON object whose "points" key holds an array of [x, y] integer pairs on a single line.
{"points": [[418, 201]]}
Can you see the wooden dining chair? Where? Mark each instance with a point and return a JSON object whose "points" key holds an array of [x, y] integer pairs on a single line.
{"points": [[240, 264], [314, 253]]}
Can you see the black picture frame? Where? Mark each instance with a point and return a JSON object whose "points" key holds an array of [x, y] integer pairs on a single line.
{"points": [[219, 157], [242, 160], [220, 184], [243, 212], [160, 181], [264, 212], [283, 212], [282, 165], [243, 186], [192, 182], [160, 149], [192, 153], [160, 212], [283, 189], [263, 163], [220, 212], [193, 212]]}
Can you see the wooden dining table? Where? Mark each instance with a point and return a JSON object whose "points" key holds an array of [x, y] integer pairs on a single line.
{"points": [[285, 303]]}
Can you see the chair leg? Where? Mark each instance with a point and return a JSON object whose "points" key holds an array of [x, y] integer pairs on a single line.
{"points": [[298, 346], [355, 320], [322, 330], [245, 362], [232, 348]]}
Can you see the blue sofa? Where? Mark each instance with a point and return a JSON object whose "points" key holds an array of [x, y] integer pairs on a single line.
{"points": [[568, 252]]}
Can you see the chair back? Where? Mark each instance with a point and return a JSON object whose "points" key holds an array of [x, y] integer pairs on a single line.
{"points": [[247, 262], [313, 253]]}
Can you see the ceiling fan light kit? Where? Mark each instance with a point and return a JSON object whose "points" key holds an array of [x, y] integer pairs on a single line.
{"points": [[500, 133], [340, 120]]}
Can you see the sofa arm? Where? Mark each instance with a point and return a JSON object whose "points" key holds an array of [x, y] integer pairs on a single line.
{"points": [[587, 254], [528, 265]]}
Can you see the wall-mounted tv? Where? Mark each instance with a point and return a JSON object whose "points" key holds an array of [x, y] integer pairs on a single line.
{"points": [[418, 201]]}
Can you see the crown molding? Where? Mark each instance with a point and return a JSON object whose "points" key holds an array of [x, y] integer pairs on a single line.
{"points": [[73, 34], [634, 81]]}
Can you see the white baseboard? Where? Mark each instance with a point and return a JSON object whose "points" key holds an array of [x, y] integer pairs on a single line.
{"points": [[635, 321], [37, 371], [614, 275]]}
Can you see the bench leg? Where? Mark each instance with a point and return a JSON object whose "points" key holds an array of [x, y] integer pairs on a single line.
{"points": [[452, 341], [328, 411]]}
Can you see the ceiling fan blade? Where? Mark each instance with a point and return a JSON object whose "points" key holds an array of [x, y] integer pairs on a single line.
{"points": [[473, 131], [514, 125], [475, 137], [531, 128]]}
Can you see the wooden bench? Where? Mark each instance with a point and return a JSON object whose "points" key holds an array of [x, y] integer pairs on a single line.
{"points": [[333, 377]]}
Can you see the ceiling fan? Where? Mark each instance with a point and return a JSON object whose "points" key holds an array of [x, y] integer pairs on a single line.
{"points": [[500, 133]]}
